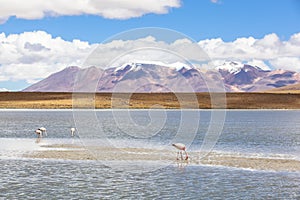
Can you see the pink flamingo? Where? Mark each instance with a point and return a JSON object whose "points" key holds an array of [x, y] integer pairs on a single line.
{"points": [[44, 130], [39, 133], [181, 147]]}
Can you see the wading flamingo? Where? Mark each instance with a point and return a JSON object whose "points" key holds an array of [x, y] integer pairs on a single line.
{"points": [[44, 130], [39, 133], [73, 131], [181, 147]]}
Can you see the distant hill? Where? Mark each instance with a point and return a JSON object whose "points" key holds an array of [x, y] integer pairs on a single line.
{"points": [[153, 77], [295, 88]]}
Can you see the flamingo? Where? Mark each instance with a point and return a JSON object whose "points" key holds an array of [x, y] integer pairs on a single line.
{"points": [[73, 131], [39, 133], [181, 147], [44, 130]]}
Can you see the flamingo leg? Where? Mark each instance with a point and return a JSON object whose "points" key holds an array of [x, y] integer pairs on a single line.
{"points": [[177, 158], [186, 155], [181, 155]]}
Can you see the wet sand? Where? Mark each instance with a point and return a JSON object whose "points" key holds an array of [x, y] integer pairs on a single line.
{"points": [[76, 152]]}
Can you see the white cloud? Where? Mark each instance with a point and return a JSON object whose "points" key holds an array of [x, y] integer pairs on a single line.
{"points": [[112, 9], [289, 63], [3, 90], [3, 20], [31, 56], [269, 49], [259, 63], [119, 52], [215, 1]]}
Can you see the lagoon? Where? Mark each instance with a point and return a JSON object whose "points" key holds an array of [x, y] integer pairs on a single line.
{"points": [[246, 133]]}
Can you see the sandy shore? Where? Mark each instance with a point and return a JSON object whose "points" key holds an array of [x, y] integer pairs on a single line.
{"points": [[56, 100], [76, 152]]}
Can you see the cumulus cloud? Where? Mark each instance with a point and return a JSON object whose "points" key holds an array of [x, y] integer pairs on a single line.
{"points": [[290, 63], [31, 56], [119, 52], [3, 90], [258, 63], [268, 52], [111, 9], [269, 49]]}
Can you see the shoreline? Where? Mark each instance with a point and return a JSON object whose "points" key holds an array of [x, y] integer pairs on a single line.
{"points": [[111, 154], [145, 109], [62, 100]]}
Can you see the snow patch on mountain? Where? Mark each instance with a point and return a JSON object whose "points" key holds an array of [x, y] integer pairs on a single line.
{"points": [[235, 67], [231, 67], [179, 65], [136, 65]]}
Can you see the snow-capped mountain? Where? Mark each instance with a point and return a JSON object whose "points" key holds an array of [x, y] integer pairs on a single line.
{"points": [[231, 67], [160, 77], [144, 77], [138, 64]]}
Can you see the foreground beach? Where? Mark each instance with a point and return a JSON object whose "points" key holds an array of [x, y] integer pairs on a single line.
{"points": [[56, 100]]}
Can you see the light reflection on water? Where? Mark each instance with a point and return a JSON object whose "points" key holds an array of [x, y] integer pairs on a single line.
{"points": [[255, 132], [91, 180]]}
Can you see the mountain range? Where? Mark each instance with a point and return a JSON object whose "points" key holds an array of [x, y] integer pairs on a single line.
{"points": [[156, 77]]}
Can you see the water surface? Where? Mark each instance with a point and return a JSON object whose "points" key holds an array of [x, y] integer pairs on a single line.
{"points": [[255, 133]]}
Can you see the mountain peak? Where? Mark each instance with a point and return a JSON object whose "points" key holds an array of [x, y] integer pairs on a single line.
{"points": [[139, 64], [231, 67], [236, 67]]}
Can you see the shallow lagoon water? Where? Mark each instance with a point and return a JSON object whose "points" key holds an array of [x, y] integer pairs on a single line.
{"points": [[46, 179], [257, 133]]}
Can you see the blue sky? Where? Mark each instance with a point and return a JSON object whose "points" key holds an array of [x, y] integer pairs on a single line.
{"points": [[201, 20], [228, 19]]}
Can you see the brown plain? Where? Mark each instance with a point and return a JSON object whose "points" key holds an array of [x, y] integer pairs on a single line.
{"points": [[58, 100]]}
